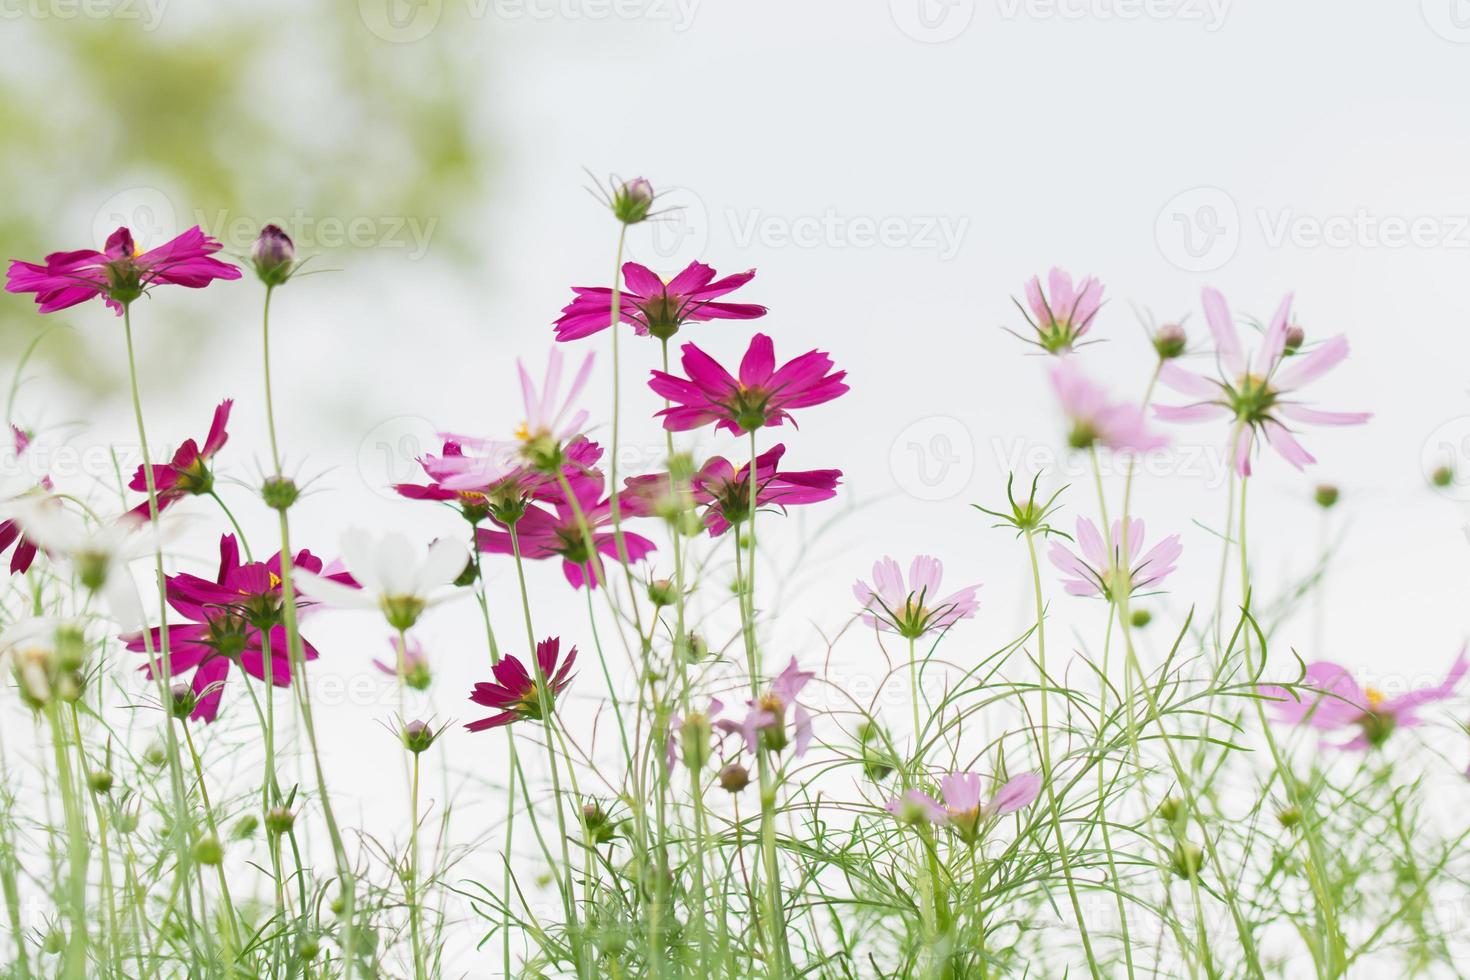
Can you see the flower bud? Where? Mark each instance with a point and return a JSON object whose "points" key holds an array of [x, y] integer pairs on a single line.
{"points": [[631, 200], [417, 736], [308, 949], [1187, 860], [100, 781], [1171, 810], [1170, 341], [245, 827], [1443, 476], [279, 492], [1326, 495], [691, 647], [126, 820], [662, 592], [1289, 818], [208, 850], [279, 820], [274, 255], [154, 755], [1141, 618], [182, 700], [469, 576], [695, 734], [1295, 336], [734, 778], [598, 826]]}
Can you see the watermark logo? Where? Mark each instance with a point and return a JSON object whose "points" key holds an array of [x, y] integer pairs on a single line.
{"points": [[400, 21], [1209, 13], [1450, 19], [933, 459], [932, 21], [389, 453], [1448, 449], [147, 212], [1198, 230], [146, 13], [940, 233], [680, 227]]}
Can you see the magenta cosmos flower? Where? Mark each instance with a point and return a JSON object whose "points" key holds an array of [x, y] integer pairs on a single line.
{"points": [[1257, 393], [1098, 420], [121, 272], [962, 809], [764, 724], [480, 489], [762, 395], [14, 485], [230, 619], [188, 472], [514, 693], [656, 307], [1343, 704], [1063, 317], [543, 533], [1094, 573], [724, 492], [915, 608]]}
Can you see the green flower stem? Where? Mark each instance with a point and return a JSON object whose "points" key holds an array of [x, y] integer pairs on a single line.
{"points": [[224, 884]]}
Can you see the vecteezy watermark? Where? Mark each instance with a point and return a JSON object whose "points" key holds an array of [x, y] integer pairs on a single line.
{"points": [[322, 233], [939, 233], [406, 21], [933, 459], [1198, 230], [146, 13], [1209, 13], [679, 227], [389, 453], [932, 21], [1446, 453], [1207, 463], [1450, 19], [1363, 229], [147, 212]]}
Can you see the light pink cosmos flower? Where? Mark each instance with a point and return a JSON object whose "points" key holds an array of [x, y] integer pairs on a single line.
{"points": [[764, 724], [762, 395], [121, 272], [1062, 318], [410, 664], [1343, 704], [1096, 418], [1095, 573], [915, 608], [1257, 393], [962, 809], [655, 307]]}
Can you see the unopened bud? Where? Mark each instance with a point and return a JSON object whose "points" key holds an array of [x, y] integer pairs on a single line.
{"points": [[208, 850], [100, 781], [1326, 495], [1140, 618], [662, 592], [274, 255], [1295, 337], [631, 200], [279, 820], [734, 778], [418, 736], [1170, 341], [279, 492]]}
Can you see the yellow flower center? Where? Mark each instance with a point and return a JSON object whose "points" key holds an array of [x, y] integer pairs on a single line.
{"points": [[1375, 697]]}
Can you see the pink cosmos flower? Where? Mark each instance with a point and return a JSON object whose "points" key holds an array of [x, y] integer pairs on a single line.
{"points": [[962, 809], [762, 395], [1062, 318], [724, 492], [764, 724], [456, 479], [1096, 418], [544, 533], [655, 307], [11, 533], [188, 472], [410, 664], [1095, 573], [228, 621], [514, 693], [121, 272], [1257, 393], [1343, 704], [913, 609]]}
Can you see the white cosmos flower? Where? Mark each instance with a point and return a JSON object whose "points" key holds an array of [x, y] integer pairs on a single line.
{"points": [[396, 577]]}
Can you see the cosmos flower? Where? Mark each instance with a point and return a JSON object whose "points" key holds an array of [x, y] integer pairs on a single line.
{"points": [[1095, 573], [188, 472], [655, 307], [694, 733], [962, 809], [915, 608], [1098, 420], [1343, 704], [1258, 394], [121, 272], [396, 578], [1062, 318], [762, 395], [515, 693], [230, 620], [764, 724], [481, 487], [724, 492], [14, 482], [556, 532], [410, 664]]}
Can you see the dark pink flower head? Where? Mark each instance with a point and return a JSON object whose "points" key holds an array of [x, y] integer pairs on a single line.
{"points": [[964, 810], [764, 724], [1257, 394], [515, 694], [1061, 318], [230, 621], [121, 272], [188, 473], [1095, 572], [914, 608], [1096, 419], [762, 395], [555, 531], [16, 482], [655, 307], [724, 492], [1340, 703]]}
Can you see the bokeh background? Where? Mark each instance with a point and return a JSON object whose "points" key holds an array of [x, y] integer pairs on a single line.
{"points": [[895, 170]]}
